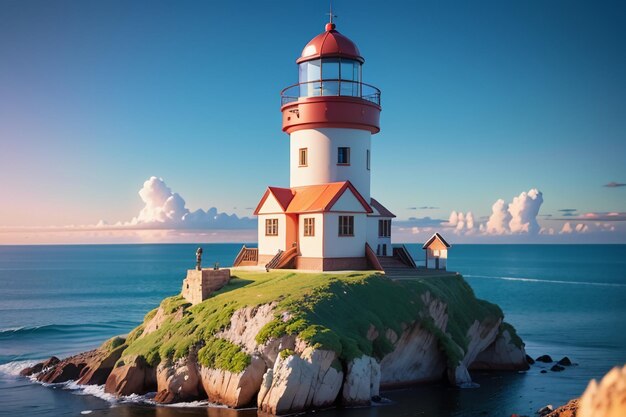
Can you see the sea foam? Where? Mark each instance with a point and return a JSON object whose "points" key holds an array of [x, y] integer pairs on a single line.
{"points": [[547, 281]]}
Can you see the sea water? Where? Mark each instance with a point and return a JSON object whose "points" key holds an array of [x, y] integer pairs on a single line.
{"points": [[564, 300]]}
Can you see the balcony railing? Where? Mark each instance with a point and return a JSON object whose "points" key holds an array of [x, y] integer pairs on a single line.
{"points": [[343, 88]]}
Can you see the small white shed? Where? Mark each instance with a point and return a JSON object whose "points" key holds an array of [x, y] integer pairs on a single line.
{"points": [[436, 249]]}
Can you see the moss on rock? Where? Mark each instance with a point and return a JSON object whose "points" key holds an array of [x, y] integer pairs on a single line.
{"points": [[329, 311]]}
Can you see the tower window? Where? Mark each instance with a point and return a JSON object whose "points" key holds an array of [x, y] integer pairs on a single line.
{"points": [[384, 228], [346, 225], [309, 226], [343, 156], [271, 227], [367, 159], [303, 157]]}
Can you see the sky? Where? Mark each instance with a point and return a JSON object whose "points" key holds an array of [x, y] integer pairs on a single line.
{"points": [[509, 117]]}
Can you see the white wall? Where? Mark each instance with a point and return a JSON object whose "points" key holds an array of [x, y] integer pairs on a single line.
{"points": [[322, 165], [348, 203], [269, 245], [270, 206], [431, 259], [344, 247], [311, 246], [372, 235]]}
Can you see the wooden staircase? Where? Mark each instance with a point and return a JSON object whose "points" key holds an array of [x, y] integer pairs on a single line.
{"points": [[401, 264], [282, 259], [247, 257]]}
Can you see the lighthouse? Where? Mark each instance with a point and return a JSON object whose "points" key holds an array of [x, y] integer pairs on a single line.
{"points": [[326, 219]]}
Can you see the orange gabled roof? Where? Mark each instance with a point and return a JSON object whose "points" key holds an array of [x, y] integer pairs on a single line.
{"points": [[382, 210], [282, 195], [320, 198]]}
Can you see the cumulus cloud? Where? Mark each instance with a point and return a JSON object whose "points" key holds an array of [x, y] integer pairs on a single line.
{"points": [[517, 217], [498, 223], [462, 223], [569, 229], [524, 210], [164, 209]]}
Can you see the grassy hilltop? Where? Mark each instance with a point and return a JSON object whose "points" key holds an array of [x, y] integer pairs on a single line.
{"points": [[330, 311]]}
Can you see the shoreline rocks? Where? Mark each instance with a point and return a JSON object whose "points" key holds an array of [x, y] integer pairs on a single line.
{"points": [[286, 374]]}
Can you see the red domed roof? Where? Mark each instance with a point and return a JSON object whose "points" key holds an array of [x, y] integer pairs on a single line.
{"points": [[330, 44]]}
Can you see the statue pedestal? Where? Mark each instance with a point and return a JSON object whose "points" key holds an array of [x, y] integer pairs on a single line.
{"points": [[199, 285]]}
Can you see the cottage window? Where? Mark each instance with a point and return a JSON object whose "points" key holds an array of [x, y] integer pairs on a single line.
{"points": [[343, 156], [303, 157], [384, 228], [367, 159], [271, 227], [346, 225], [309, 226]]}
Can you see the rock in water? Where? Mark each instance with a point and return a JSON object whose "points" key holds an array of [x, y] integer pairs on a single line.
{"points": [[544, 358], [530, 360], [362, 381], [298, 382], [567, 410], [92, 367], [232, 389], [557, 368], [178, 381], [502, 354], [565, 362], [35, 369], [134, 377], [544, 411]]}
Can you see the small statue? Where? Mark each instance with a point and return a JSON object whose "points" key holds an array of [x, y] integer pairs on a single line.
{"points": [[199, 259]]}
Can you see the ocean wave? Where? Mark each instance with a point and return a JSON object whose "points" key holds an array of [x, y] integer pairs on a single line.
{"points": [[14, 368], [63, 328], [548, 281]]}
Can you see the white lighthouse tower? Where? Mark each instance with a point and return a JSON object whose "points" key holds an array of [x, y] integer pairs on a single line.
{"points": [[326, 219]]}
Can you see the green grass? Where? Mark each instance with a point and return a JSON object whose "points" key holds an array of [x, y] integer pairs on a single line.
{"points": [[329, 311], [113, 343], [222, 354]]}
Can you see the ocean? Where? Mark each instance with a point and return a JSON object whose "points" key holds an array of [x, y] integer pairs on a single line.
{"points": [[564, 300]]}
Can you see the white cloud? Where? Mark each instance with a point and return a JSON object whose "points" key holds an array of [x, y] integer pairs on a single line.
{"points": [[164, 209], [517, 217], [469, 220], [567, 228], [581, 228], [524, 210], [498, 223], [461, 223]]}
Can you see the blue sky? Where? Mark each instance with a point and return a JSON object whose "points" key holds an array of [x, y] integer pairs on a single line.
{"points": [[482, 100]]}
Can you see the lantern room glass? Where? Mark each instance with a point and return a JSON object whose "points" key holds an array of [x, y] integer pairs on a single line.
{"points": [[330, 77]]}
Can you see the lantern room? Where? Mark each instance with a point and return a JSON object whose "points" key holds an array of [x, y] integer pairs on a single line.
{"points": [[330, 90], [330, 65]]}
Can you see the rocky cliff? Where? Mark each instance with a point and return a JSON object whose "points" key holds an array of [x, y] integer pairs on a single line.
{"points": [[289, 342]]}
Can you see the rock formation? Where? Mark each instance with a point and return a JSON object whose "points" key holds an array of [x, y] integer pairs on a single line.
{"points": [[271, 354]]}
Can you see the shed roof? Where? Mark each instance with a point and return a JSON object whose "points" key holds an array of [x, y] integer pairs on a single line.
{"points": [[434, 237]]}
